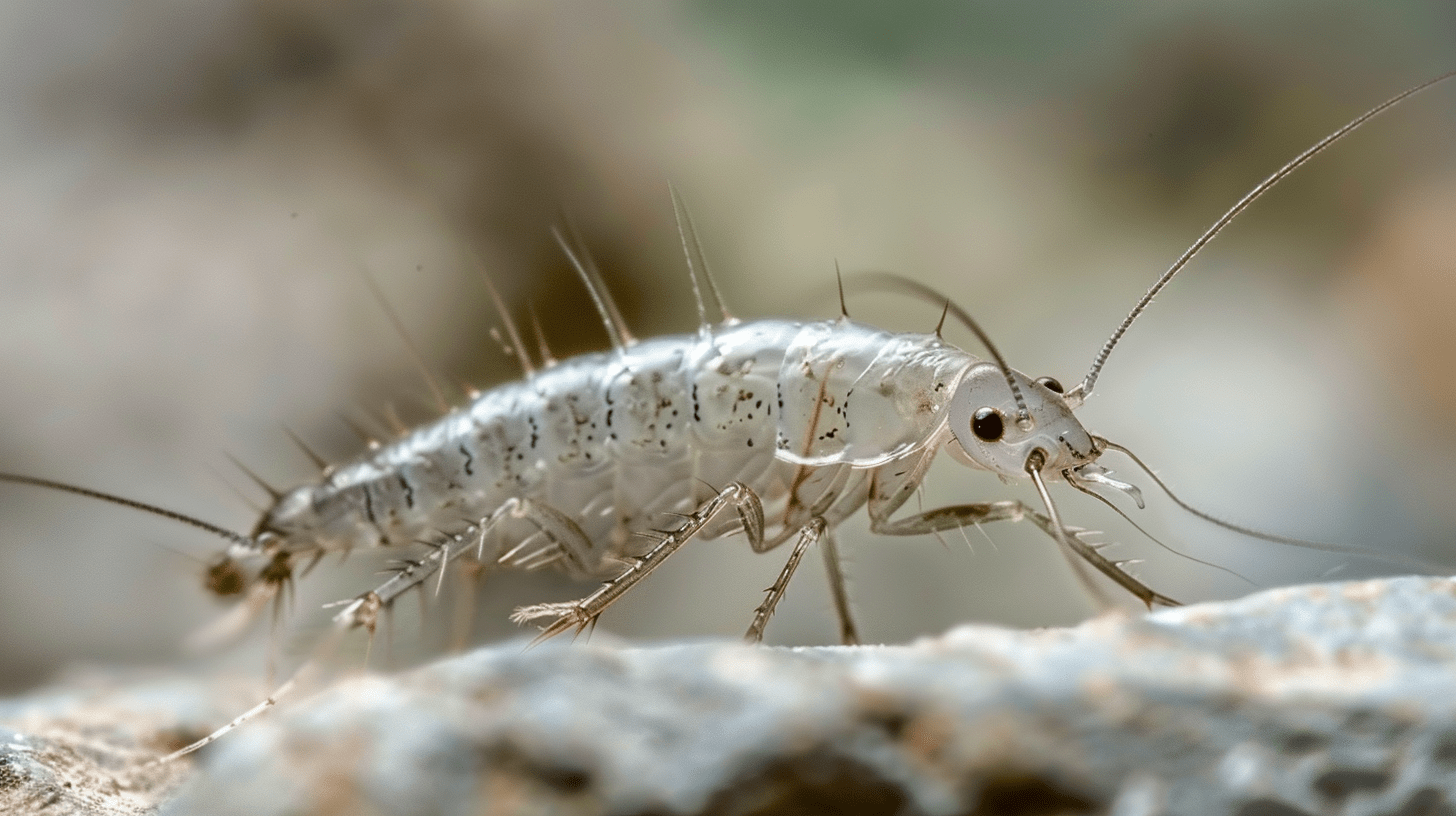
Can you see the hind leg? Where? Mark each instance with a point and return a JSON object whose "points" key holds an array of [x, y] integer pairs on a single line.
{"points": [[566, 540]]}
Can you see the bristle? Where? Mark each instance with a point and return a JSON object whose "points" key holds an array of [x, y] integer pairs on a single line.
{"points": [[547, 358], [317, 460], [364, 435], [586, 270], [697, 262], [272, 491], [519, 347], [409, 343]]}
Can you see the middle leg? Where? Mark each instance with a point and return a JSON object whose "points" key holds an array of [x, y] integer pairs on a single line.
{"points": [[812, 532], [829, 548], [582, 613]]}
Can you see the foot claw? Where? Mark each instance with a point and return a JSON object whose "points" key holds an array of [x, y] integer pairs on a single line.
{"points": [[545, 610], [568, 615]]}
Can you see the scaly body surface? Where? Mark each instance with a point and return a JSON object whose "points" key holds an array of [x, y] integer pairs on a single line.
{"points": [[589, 454], [614, 439]]}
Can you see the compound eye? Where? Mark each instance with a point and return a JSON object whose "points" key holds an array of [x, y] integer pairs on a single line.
{"points": [[987, 424], [1051, 384]]}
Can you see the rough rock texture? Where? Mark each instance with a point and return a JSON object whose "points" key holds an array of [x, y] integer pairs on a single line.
{"points": [[83, 745], [1327, 699]]}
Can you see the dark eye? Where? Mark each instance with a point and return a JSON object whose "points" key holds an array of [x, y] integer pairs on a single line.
{"points": [[986, 424], [1051, 384]]}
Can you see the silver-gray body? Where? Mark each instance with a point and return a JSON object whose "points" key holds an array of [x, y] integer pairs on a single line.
{"points": [[796, 411]]}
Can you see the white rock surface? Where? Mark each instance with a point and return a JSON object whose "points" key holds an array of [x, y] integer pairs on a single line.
{"points": [[1325, 699]]}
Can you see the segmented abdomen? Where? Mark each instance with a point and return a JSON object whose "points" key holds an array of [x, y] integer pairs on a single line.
{"points": [[613, 439]]}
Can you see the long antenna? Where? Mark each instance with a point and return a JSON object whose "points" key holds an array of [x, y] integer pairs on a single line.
{"points": [[1084, 389], [220, 532]]}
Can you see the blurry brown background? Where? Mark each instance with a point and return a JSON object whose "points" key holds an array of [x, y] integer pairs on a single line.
{"points": [[187, 191]]}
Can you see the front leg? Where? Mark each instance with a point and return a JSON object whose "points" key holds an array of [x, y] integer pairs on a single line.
{"points": [[953, 517], [892, 484]]}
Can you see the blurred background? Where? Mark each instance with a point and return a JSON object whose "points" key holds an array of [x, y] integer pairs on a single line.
{"points": [[188, 192]]}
